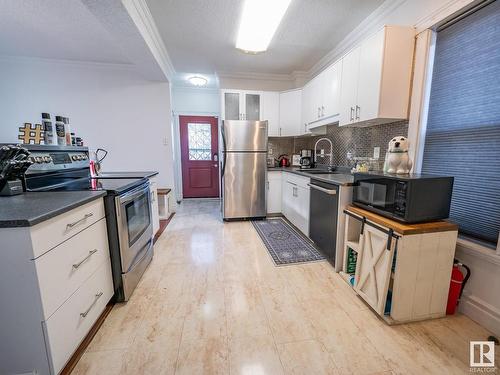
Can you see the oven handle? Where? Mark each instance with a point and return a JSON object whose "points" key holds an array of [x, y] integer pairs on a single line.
{"points": [[131, 195], [327, 191]]}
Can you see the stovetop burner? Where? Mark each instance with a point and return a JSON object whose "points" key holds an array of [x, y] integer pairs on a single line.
{"points": [[117, 186]]}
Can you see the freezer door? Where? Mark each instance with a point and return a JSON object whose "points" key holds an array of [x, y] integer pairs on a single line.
{"points": [[244, 135], [244, 185]]}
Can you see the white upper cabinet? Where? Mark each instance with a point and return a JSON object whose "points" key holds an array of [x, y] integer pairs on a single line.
{"points": [[271, 112], [331, 90], [241, 105], [290, 113], [349, 88], [321, 97], [376, 78]]}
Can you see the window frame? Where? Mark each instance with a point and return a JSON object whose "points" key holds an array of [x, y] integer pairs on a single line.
{"points": [[463, 241]]}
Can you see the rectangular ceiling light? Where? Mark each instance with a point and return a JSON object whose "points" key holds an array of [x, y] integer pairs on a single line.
{"points": [[259, 22]]}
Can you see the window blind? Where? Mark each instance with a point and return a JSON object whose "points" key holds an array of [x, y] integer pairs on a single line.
{"points": [[463, 126]]}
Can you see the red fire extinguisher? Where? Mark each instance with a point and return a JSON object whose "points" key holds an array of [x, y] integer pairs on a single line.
{"points": [[457, 285]]}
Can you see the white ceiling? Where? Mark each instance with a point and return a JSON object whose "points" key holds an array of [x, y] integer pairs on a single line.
{"points": [[200, 35], [55, 29]]}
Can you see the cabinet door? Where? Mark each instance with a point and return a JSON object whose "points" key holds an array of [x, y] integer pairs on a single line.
{"points": [[290, 113], [373, 268], [349, 86], [370, 76], [302, 208], [316, 99], [252, 110], [306, 109], [271, 112], [287, 199], [231, 105], [331, 90], [274, 192]]}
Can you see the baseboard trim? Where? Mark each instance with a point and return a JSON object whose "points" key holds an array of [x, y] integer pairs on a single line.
{"points": [[77, 355], [481, 312], [163, 226]]}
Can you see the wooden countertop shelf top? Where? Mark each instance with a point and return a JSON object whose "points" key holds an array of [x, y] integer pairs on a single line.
{"points": [[402, 228]]}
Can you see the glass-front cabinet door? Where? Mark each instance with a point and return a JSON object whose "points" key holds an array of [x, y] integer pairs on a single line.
{"points": [[252, 107], [232, 108], [241, 105]]}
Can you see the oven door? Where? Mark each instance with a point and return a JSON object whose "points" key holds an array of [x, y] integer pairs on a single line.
{"points": [[376, 193], [135, 229]]}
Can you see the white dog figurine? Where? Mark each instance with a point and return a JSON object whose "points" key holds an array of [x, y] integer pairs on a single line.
{"points": [[396, 158]]}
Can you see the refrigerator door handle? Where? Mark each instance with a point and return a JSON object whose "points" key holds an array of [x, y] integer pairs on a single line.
{"points": [[223, 167]]}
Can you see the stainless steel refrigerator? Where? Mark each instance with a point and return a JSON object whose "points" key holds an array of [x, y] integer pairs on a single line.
{"points": [[244, 169]]}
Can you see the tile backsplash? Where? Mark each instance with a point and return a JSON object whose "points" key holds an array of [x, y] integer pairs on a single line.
{"points": [[360, 142]]}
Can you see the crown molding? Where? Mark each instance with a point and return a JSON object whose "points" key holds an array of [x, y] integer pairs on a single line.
{"points": [[177, 87], [75, 63], [443, 12], [255, 76], [376, 18], [143, 19]]}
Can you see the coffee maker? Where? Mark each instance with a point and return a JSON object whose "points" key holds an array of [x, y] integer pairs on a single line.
{"points": [[306, 159]]}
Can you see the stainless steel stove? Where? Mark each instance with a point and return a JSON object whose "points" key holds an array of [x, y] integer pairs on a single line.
{"points": [[127, 203]]}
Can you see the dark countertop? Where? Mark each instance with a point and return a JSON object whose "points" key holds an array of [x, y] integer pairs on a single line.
{"points": [[336, 178], [136, 174], [29, 209]]}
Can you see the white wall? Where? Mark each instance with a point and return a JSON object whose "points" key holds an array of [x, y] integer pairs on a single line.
{"points": [[109, 106], [186, 100]]}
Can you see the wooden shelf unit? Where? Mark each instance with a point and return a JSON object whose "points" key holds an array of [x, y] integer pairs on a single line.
{"points": [[408, 264]]}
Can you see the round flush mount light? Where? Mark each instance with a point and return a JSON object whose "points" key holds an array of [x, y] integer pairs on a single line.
{"points": [[198, 80]]}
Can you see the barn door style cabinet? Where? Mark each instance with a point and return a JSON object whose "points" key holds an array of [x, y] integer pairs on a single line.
{"points": [[402, 271]]}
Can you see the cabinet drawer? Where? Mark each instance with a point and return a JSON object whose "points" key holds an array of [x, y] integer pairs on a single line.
{"points": [[51, 233], [63, 269], [67, 327], [296, 179]]}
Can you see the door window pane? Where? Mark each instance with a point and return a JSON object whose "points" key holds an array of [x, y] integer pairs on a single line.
{"points": [[252, 102], [199, 141], [232, 106]]}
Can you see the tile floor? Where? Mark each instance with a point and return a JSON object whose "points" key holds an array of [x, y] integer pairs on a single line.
{"points": [[212, 302]]}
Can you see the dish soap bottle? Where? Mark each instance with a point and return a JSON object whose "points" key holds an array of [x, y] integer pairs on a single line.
{"points": [[67, 131]]}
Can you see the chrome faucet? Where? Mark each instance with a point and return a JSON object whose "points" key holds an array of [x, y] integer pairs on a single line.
{"points": [[330, 154]]}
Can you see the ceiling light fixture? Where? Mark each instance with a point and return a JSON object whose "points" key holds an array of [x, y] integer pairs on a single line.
{"points": [[258, 24], [198, 81]]}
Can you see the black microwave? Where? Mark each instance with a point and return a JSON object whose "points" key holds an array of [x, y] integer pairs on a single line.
{"points": [[410, 198]]}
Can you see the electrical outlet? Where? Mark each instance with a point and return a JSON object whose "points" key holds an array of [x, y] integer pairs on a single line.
{"points": [[376, 152], [165, 141], [270, 151]]}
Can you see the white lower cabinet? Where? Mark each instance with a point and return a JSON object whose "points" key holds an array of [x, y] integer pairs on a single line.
{"points": [[295, 200], [67, 327], [401, 271], [273, 192], [59, 281]]}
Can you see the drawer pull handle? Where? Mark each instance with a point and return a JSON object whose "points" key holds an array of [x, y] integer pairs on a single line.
{"points": [[86, 312], [85, 217], [91, 252]]}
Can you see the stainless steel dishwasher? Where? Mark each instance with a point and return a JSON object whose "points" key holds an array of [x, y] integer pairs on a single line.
{"points": [[323, 213]]}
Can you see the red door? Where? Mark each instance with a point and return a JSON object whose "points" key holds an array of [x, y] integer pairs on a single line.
{"points": [[199, 156]]}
